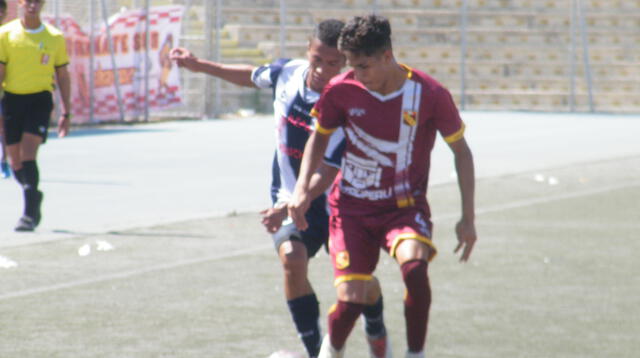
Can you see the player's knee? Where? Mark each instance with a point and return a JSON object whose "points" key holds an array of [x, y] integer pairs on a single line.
{"points": [[415, 276], [373, 291], [293, 257], [412, 250], [353, 291]]}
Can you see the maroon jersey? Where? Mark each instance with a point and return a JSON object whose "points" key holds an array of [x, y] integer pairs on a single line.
{"points": [[389, 140]]}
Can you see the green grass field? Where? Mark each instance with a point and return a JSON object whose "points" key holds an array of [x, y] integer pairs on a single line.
{"points": [[555, 274]]}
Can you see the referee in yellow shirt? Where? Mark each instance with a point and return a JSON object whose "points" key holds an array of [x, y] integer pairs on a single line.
{"points": [[32, 54]]}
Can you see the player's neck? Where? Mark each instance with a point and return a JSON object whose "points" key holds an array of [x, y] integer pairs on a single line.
{"points": [[31, 22], [395, 79]]}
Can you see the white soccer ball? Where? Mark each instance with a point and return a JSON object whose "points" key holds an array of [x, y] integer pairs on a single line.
{"points": [[286, 354]]}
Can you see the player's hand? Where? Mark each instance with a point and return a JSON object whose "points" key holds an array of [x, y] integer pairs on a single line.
{"points": [[183, 57], [298, 208], [466, 233], [272, 218], [63, 126]]}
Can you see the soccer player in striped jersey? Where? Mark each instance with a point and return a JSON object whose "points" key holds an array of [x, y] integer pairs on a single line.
{"points": [[390, 114], [32, 54], [296, 86]]}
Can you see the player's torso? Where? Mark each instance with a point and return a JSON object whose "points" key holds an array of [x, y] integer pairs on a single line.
{"points": [[389, 139], [30, 60], [292, 106]]}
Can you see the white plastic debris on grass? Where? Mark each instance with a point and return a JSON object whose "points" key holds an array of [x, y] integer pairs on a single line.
{"points": [[7, 263], [540, 178], [84, 250], [102, 245], [551, 180], [286, 354]]}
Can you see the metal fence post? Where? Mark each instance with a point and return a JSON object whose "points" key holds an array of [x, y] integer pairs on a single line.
{"points": [[585, 53], [92, 55], [572, 56], [147, 62], [463, 53], [218, 82], [283, 28], [114, 66]]}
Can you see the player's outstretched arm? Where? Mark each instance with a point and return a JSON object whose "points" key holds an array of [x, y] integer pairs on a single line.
{"points": [[311, 160], [237, 74], [465, 228]]}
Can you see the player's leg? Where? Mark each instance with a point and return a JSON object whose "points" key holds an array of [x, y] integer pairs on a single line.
{"points": [[377, 338], [354, 255], [294, 249], [410, 244], [37, 114], [31, 174]]}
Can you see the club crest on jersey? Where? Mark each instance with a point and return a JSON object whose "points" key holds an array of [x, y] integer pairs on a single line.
{"points": [[342, 260], [357, 112], [409, 117]]}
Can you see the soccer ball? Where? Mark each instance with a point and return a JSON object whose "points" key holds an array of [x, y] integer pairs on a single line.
{"points": [[286, 354]]}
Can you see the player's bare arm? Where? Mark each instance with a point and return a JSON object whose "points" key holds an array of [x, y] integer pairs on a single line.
{"points": [[64, 84], [321, 180], [238, 74], [311, 160], [465, 228]]}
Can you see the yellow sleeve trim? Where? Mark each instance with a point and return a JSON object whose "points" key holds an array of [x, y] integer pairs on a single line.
{"points": [[408, 69], [413, 236], [352, 277], [455, 136], [320, 129], [314, 112]]}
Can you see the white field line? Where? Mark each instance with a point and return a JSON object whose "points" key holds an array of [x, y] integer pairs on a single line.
{"points": [[178, 264], [543, 200], [128, 274]]}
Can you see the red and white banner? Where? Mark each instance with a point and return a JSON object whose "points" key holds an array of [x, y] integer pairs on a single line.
{"points": [[129, 41]]}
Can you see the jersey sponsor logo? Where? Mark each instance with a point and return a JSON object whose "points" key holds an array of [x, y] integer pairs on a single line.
{"points": [[360, 172], [357, 112], [373, 195], [342, 260]]}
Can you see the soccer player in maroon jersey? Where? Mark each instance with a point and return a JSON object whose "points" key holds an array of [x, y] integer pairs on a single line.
{"points": [[390, 114], [297, 84]]}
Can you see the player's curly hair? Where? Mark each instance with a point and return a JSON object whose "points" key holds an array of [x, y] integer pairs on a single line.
{"points": [[3, 4], [328, 32], [366, 35]]}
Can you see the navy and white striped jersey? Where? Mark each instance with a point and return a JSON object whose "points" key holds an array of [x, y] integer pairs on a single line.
{"points": [[292, 103]]}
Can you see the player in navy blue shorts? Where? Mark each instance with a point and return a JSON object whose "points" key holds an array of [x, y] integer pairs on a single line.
{"points": [[296, 86]]}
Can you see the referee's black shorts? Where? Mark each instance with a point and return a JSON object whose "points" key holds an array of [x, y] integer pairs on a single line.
{"points": [[26, 113]]}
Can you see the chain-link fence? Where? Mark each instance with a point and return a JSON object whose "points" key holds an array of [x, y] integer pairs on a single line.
{"points": [[562, 55]]}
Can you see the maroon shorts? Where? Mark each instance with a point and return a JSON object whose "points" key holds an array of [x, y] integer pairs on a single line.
{"points": [[355, 241]]}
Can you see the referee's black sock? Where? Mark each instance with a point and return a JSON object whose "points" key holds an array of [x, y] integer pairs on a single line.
{"points": [[19, 175], [31, 174], [31, 177]]}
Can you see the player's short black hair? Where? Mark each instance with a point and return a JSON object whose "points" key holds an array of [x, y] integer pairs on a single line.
{"points": [[3, 4], [328, 32], [366, 35]]}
